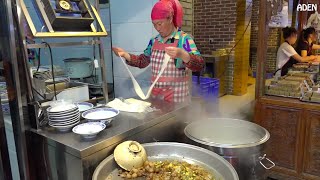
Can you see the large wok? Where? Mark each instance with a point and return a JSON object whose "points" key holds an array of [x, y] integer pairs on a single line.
{"points": [[108, 169]]}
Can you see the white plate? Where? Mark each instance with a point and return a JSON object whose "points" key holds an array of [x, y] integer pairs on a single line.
{"points": [[65, 113], [57, 117], [62, 108], [100, 114], [64, 119], [64, 123], [64, 128]]}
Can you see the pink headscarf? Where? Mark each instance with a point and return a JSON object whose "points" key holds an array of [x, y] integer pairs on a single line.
{"points": [[165, 8]]}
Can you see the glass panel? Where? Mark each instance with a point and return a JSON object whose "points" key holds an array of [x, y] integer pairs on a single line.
{"points": [[288, 73]]}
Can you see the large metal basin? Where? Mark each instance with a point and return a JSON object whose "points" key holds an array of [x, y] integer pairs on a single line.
{"points": [[173, 151], [240, 142]]}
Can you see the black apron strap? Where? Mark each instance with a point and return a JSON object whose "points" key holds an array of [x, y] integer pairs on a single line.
{"points": [[276, 71]]}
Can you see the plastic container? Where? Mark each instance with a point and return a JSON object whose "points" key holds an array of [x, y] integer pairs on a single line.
{"points": [[208, 88]]}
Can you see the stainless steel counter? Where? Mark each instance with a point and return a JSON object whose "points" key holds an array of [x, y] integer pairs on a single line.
{"points": [[62, 150]]}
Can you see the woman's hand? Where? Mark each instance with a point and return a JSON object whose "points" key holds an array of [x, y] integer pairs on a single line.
{"points": [[175, 52], [121, 52]]}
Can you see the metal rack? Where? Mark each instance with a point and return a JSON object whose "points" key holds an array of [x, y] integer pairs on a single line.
{"points": [[96, 33], [99, 32]]}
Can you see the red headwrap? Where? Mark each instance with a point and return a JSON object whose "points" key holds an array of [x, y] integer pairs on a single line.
{"points": [[165, 8]]}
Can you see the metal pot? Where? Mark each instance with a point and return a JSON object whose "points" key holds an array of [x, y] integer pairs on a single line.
{"points": [[239, 142], [108, 168], [78, 67]]}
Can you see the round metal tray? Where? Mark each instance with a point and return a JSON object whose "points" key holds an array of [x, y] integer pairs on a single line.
{"points": [[108, 169]]}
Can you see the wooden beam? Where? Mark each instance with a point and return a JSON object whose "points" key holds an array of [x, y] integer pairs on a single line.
{"points": [[262, 48]]}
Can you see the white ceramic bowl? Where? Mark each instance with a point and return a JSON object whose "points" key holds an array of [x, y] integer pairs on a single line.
{"points": [[100, 114], [89, 130], [129, 155], [84, 106]]}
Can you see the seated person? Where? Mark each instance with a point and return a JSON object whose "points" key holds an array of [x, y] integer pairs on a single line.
{"points": [[287, 55]]}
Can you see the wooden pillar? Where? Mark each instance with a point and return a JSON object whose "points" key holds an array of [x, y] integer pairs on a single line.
{"points": [[302, 16], [262, 48]]}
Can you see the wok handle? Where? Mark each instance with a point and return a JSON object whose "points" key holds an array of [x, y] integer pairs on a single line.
{"points": [[264, 157]]}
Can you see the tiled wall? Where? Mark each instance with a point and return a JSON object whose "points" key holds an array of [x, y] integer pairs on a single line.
{"points": [[131, 31]]}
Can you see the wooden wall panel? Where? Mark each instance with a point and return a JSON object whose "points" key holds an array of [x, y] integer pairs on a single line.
{"points": [[284, 125], [312, 146]]}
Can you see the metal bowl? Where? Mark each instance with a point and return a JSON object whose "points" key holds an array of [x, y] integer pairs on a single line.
{"points": [[108, 168]]}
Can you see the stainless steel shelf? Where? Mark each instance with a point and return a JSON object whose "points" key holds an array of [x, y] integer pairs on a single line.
{"points": [[53, 34], [97, 33], [64, 44]]}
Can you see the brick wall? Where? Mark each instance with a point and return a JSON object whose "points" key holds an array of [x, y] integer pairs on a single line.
{"points": [[254, 34], [224, 21], [187, 25], [216, 20], [274, 38]]}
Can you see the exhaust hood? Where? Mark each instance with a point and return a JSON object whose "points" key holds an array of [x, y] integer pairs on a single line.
{"points": [[64, 18]]}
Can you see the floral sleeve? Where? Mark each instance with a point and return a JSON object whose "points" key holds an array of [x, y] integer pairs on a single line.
{"points": [[196, 62], [142, 60]]}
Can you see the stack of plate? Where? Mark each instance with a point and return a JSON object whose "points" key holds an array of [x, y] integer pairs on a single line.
{"points": [[63, 117]]}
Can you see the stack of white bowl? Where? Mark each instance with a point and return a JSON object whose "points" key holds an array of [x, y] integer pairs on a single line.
{"points": [[63, 117]]}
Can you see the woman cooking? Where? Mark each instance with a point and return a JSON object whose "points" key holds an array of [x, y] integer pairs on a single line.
{"points": [[286, 55], [166, 17]]}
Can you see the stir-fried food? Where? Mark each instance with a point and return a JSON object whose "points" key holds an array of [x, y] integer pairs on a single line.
{"points": [[168, 170]]}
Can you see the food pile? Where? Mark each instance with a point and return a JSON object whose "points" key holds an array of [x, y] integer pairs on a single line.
{"points": [[312, 96], [168, 170], [301, 66], [289, 85]]}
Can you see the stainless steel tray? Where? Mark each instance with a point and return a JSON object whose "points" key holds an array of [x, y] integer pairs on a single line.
{"points": [[108, 169]]}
